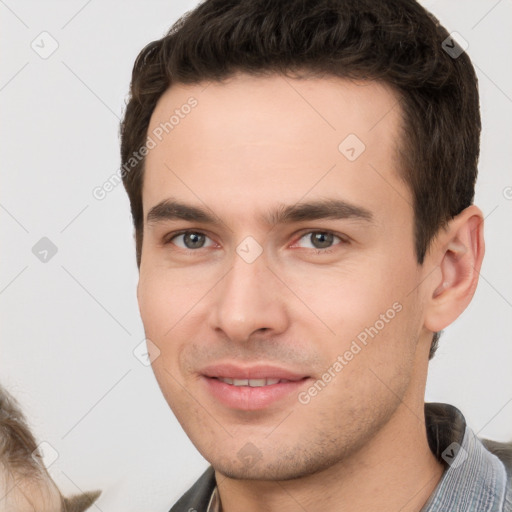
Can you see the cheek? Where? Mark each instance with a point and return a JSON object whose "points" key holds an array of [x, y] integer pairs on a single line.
{"points": [[349, 296], [165, 297], [170, 304], [364, 307]]}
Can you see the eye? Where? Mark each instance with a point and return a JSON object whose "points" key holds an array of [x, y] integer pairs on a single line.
{"points": [[189, 240], [320, 240]]}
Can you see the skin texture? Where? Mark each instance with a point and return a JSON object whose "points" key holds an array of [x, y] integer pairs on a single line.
{"points": [[250, 145]]}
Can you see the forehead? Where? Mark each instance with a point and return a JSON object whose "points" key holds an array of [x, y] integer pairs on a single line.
{"points": [[273, 138]]}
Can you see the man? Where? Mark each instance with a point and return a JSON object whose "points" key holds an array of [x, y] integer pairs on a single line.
{"points": [[25, 485], [301, 178]]}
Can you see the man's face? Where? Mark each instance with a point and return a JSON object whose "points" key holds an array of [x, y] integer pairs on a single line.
{"points": [[241, 296]]}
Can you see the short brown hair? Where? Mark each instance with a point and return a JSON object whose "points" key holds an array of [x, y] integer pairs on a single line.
{"points": [[396, 42]]}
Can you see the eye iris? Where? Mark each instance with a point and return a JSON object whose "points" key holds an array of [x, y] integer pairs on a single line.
{"points": [[321, 240], [193, 240]]}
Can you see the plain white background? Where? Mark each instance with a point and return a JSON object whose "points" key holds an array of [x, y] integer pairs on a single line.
{"points": [[70, 325]]}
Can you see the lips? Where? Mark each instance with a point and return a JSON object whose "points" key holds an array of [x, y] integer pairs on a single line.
{"points": [[251, 388], [232, 371]]}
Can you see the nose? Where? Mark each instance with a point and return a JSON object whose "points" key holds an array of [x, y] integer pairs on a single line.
{"points": [[250, 299]]}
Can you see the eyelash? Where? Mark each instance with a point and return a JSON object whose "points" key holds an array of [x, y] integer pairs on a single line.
{"points": [[343, 240]]}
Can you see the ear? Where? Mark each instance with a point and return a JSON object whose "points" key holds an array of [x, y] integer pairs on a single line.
{"points": [[458, 251], [80, 502]]}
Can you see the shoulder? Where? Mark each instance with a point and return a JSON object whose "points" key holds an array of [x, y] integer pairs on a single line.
{"points": [[502, 450]]}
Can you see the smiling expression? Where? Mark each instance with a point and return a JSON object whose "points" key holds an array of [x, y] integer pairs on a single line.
{"points": [[276, 231]]}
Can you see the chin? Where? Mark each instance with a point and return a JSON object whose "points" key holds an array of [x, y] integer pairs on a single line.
{"points": [[278, 469]]}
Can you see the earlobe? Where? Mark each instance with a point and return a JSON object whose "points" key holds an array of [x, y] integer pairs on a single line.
{"points": [[460, 251]]}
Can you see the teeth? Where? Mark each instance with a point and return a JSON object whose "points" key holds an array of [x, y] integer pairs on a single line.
{"points": [[256, 383], [253, 383]]}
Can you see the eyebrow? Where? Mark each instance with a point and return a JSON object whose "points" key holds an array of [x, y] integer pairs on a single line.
{"points": [[170, 209]]}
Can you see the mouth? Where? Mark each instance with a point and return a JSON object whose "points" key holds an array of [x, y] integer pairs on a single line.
{"points": [[251, 388], [253, 383]]}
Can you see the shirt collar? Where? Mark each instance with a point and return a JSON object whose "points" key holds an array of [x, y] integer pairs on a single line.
{"points": [[214, 503], [474, 481]]}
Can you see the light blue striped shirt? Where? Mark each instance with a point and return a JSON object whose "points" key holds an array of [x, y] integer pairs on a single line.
{"points": [[475, 480]]}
